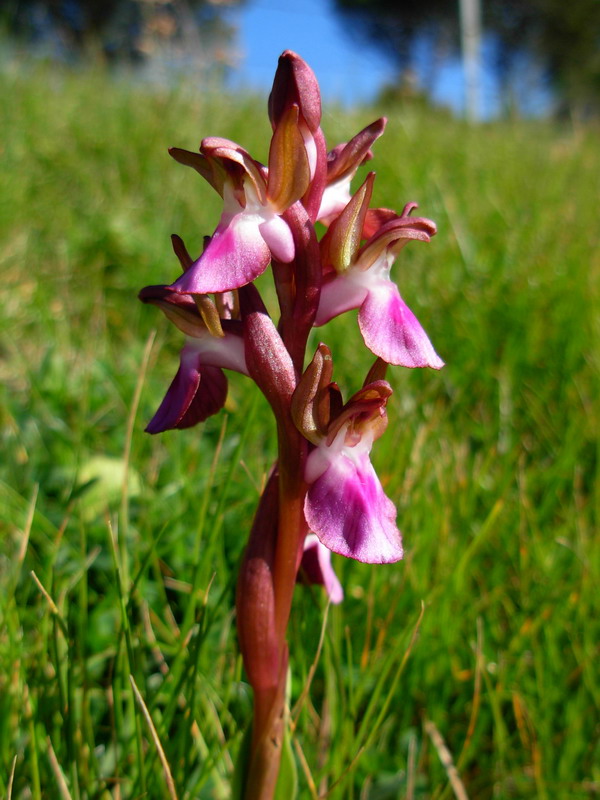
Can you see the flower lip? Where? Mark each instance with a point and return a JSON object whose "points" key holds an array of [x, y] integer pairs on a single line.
{"points": [[236, 254], [391, 330]]}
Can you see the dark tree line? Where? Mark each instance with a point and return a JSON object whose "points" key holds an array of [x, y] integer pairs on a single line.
{"points": [[561, 37], [121, 29]]}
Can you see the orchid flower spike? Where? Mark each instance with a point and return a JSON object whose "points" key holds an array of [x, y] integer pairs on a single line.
{"points": [[345, 505], [251, 229], [359, 277]]}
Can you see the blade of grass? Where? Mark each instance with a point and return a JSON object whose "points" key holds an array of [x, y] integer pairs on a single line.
{"points": [[445, 757], [124, 515], [61, 782], [11, 779], [129, 654], [367, 731], [36, 788], [159, 748], [295, 712]]}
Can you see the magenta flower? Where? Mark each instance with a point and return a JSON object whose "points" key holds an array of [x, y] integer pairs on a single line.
{"points": [[316, 568], [359, 277], [345, 505], [251, 229], [199, 388]]}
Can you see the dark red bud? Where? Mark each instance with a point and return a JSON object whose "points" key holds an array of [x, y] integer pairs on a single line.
{"points": [[295, 82]]}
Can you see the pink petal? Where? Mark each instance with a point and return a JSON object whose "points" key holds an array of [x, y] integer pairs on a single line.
{"points": [[335, 199], [339, 294], [349, 512], [278, 236], [235, 256], [316, 568], [392, 331], [197, 392], [226, 351]]}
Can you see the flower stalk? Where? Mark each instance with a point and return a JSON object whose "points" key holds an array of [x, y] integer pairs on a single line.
{"points": [[323, 494]]}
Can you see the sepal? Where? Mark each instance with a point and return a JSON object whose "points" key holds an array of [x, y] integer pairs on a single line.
{"points": [[197, 392], [289, 167], [311, 399], [342, 241], [342, 164]]}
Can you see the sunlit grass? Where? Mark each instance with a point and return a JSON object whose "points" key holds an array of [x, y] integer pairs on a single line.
{"points": [[493, 464]]}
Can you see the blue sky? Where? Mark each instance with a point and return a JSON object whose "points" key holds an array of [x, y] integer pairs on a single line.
{"points": [[347, 69]]}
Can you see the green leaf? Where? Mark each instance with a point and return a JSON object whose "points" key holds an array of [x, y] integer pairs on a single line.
{"points": [[287, 780], [100, 482], [241, 766]]}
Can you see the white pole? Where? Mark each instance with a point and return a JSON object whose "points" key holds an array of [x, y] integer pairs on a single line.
{"points": [[470, 30]]}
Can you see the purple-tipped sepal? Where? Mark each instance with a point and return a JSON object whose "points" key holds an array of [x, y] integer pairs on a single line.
{"points": [[199, 388], [196, 393], [342, 164]]}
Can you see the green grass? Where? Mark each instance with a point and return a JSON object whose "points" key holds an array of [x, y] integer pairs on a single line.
{"points": [[493, 464]]}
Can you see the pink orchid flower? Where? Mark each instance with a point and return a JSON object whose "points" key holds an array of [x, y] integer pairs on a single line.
{"points": [[359, 277], [345, 505], [251, 229]]}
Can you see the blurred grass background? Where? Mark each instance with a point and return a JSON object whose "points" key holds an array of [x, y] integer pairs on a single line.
{"points": [[120, 550]]}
